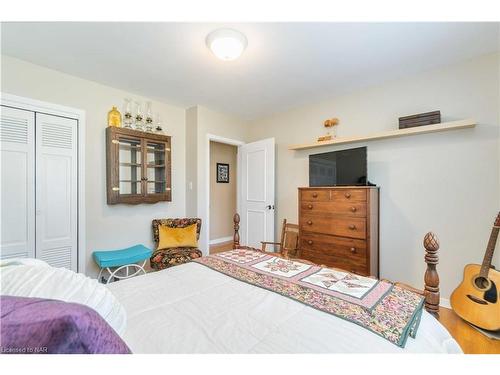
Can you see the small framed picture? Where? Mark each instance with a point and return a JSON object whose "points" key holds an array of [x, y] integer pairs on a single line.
{"points": [[223, 173]]}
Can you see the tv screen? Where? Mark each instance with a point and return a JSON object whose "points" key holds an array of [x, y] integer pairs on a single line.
{"points": [[346, 167]]}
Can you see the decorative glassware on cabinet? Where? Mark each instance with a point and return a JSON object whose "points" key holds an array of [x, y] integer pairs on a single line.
{"points": [[127, 116], [149, 117], [139, 117], [114, 117], [158, 126]]}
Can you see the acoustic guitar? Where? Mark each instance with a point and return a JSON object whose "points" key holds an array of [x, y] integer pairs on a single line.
{"points": [[476, 299]]}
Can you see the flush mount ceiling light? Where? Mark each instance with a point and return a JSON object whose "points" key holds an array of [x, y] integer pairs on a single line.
{"points": [[226, 44]]}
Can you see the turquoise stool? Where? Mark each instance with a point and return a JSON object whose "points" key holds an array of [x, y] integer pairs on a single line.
{"points": [[122, 259]]}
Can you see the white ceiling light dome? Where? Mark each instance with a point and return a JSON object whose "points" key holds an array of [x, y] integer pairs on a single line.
{"points": [[226, 44]]}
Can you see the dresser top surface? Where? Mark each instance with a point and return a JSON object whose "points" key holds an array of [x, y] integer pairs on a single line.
{"points": [[338, 187]]}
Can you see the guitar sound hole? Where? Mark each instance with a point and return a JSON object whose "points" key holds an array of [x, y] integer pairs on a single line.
{"points": [[491, 294], [482, 282]]}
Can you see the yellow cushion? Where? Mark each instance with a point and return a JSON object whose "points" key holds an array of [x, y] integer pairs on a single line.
{"points": [[177, 237]]}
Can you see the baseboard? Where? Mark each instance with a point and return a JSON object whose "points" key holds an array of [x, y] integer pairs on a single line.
{"points": [[216, 241], [444, 302]]}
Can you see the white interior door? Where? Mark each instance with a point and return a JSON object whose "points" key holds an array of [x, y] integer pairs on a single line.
{"points": [[17, 153], [257, 192], [56, 191]]}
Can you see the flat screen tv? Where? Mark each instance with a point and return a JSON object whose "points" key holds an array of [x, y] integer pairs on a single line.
{"points": [[338, 168]]}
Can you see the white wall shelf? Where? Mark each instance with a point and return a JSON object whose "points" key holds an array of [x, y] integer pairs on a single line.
{"points": [[444, 126]]}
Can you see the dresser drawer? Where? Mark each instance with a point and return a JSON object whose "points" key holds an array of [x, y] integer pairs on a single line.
{"points": [[339, 246], [320, 195], [348, 195], [346, 227], [355, 208], [331, 260]]}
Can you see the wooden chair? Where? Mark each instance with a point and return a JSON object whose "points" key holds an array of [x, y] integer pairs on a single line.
{"points": [[289, 243]]}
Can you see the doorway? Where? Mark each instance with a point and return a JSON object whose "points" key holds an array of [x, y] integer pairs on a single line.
{"points": [[253, 175], [223, 195]]}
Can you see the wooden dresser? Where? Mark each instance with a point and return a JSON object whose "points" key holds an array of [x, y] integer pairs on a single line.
{"points": [[339, 227]]}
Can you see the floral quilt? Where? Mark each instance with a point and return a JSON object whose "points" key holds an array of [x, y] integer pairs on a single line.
{"points": [[379, 306]]}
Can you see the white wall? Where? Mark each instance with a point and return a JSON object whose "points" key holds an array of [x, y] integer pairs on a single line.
{"points": [[445, 182], [116, 226], [191, 161]]}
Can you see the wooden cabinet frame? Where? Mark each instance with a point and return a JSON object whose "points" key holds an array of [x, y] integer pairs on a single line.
{"points": [[114, 195]]}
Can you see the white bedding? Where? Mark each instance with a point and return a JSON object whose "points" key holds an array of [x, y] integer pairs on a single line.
{"points": [[27, 277], [193, 309]]}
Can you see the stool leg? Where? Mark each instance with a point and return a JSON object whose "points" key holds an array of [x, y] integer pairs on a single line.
{"points": [[100, 274], [111, 275], [142, 267], [139, 269]]}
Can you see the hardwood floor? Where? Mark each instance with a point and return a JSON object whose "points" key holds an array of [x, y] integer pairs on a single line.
{"points": [[220, 247], [469, 339]]}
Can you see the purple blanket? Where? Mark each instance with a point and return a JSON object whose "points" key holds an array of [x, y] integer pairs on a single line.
{"points": [[36, 325]]}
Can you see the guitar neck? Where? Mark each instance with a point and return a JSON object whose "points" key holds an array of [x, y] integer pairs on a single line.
{"points": [[488, 256]]}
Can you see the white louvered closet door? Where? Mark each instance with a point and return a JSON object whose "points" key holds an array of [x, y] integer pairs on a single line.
{"points": [[56, 190], [17, 153]]}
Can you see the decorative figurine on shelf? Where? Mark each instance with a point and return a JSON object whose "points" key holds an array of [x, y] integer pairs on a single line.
{"points": [[330, 123], [158, 126], [149, 117], [127, 115], [114, 118], [139, 117]]}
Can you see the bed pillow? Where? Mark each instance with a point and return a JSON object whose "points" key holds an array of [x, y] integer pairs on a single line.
{"points": [[36, 326], [177, 237], [43, 281], [23, 262]]}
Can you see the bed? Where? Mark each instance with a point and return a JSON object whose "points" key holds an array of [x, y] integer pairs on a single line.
{"points": [[192, 308]]}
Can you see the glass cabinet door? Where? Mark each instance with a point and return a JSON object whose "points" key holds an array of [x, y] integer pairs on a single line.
{"points": [[157, 155], [130, 166]]}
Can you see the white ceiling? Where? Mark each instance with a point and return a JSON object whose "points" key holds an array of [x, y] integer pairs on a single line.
{"points": [[285, 64]]}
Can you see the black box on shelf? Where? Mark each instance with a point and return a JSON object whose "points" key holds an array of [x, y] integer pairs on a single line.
{"points": [[420, 119]]}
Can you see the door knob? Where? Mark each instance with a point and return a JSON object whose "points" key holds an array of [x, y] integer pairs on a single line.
{"points": [[270, 207]]}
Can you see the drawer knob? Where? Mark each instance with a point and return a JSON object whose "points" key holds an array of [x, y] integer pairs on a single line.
{"points": [[353, 250], [310, 206], [347, 195], [310, 242], [352, 226], [354, 209], [309, 222], [315, 195]]}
